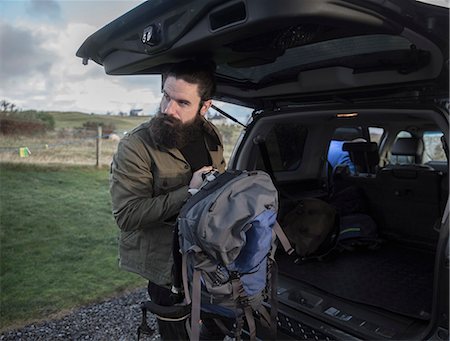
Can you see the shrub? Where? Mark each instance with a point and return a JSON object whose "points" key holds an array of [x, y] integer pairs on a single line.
{"points": [[107, 128], [47, 118], [26, 123]]}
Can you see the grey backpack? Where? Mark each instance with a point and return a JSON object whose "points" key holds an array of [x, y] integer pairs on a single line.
{"points": [[226, 233]]}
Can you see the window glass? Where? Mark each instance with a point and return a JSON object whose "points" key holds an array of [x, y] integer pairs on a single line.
{"points": [[306, 54], [376, 134], [433, 150], [285, 144], [403, 134], [229, 129]]}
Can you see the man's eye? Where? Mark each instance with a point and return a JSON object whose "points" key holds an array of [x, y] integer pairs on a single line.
{"points": [[184, 104]]}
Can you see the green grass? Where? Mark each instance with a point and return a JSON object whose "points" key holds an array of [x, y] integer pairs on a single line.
{"points": [[58, 241]]}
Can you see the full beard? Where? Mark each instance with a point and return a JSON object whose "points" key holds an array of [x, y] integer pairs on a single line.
{"points": [[169, 132]]}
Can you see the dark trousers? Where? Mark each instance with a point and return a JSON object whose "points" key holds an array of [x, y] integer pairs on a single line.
{"points": [[176, 330], [169, 330]]}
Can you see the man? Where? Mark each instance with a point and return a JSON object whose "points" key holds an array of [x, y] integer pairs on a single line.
{"points": [[337, 156], [153, 169]]}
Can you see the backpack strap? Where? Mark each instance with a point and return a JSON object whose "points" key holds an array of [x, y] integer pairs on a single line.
{"points": [[195, 312], [250, 321], [239, 326], [184, 272], [272, 274], [283, 239], [187, 295], [270, 320], [241, 299], [195, 300]]}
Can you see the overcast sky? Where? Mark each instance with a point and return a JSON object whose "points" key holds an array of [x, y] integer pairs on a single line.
{"points": [[39, 69]]}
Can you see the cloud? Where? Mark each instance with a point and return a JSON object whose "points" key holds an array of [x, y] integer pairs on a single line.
{"points": [[45, 8], [98, 13], [39, 69], [22, 53]]}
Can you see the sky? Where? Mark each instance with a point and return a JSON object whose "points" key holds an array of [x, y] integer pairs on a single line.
{"points": [[39, 69]]}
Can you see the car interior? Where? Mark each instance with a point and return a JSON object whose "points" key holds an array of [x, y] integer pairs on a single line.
{"points": [[401, 163]]}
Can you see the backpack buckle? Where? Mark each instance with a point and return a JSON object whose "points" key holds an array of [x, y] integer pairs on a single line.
{"points": [[235, 275]]}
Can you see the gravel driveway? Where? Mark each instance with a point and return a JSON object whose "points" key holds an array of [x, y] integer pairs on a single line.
{"points": [[114, 319]]}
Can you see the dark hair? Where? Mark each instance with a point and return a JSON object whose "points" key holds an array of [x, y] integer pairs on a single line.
{"points": [[196, 72]]}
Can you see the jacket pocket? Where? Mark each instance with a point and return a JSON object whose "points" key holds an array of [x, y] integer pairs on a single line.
{"points": [[165, 183], [129, 239]]}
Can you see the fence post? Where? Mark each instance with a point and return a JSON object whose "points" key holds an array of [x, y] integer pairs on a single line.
{"points": [[98, 145]]}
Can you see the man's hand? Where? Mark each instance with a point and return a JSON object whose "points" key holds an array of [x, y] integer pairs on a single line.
{"points": [[197, 178]]}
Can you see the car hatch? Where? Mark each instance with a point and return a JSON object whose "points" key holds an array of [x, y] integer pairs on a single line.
{"points": [[271, 51]]}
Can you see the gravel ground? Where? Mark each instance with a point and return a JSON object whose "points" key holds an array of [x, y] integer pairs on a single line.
{"points": [[114, 319]]}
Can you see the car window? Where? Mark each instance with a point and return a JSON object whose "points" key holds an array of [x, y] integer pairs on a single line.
{"points": [[375, 134], [285, 144], [403, 134], [304, 55], [433, 150]]}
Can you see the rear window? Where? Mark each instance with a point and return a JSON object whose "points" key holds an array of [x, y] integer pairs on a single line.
{"points": [[433, 150], [302, 56], [375, 134]]}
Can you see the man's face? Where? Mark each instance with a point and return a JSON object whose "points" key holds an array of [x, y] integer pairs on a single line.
{"points": [[182, 101]]}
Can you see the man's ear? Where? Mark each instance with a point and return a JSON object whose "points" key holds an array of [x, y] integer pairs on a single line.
{"points": [[205, 106]]}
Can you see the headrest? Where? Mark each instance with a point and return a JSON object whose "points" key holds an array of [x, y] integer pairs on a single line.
{"points": [[360, 147], [364, 155], [346, 134], [408, 146]]}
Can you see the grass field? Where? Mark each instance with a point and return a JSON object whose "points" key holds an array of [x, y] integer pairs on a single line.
{"points": [[76, 119], [58, 241]]}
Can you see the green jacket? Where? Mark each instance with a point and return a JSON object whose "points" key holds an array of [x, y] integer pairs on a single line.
{"points": [[148, 186]]}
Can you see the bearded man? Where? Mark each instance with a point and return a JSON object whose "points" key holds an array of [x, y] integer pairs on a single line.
{"points": [[153, 169]]}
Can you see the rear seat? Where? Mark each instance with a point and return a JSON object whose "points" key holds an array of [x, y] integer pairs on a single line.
{"points": [[365, 156], [411, 195]]}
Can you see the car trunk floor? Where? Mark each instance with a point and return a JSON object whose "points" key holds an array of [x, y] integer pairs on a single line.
{"points": [[394, 278]]}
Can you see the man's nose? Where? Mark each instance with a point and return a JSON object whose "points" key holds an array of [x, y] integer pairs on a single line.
{"points": [[171, 107]]}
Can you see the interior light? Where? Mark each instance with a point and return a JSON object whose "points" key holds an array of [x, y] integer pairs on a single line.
{"points": [[347, 115]]}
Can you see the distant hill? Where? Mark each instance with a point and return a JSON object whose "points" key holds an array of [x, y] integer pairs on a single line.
{"points": [[76, 120]]}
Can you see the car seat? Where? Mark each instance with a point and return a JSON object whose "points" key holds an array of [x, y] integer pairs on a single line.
{"points": [[411, 193], [364, 156]]}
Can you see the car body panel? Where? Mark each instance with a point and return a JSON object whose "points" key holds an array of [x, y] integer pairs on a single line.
{"points": [[268, 51]]}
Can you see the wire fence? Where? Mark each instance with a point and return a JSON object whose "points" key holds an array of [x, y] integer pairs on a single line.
{"points": [[86, 150], [96, 149]]}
